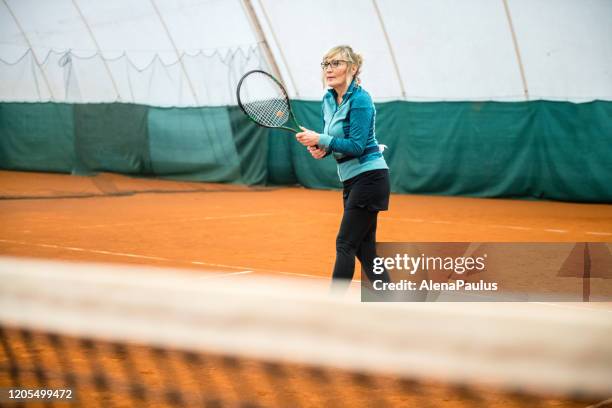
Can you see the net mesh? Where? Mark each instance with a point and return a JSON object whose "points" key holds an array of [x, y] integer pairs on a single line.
{"points": [[263, 100], [204, 78], [142, 337]]}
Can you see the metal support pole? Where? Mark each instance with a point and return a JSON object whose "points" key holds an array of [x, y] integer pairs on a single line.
{"points": [[517, 50], [388, 40]]}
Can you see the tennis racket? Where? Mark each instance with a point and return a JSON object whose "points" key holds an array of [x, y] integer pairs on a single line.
{"points": [[265, 101]]}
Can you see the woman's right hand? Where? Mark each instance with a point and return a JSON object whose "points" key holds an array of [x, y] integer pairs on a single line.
{"points": [[316, 152]]}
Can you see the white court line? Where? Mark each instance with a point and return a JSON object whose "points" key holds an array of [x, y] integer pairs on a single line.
{"points": [[216, 264], [404, 219], [599, 233], [244, 269], [304, 275], [419, 220], [98, 251], [219, 217], [225, 275], [514, 227], [242, 272], [251, 269]]}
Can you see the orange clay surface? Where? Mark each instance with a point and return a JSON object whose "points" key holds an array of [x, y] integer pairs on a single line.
{"points": [[227, 227], [214, 227]]}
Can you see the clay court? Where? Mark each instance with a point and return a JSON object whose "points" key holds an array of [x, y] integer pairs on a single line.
{"points": [[167, 239], [238, 232], [237, 229]]}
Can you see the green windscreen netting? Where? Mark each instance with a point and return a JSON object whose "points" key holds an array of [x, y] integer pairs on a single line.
{"points": [[111, 137], [185, 143], [194, 144], [37, 136], [539, 149]]}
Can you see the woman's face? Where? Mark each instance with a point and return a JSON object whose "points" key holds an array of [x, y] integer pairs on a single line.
{"points": [[336, 72]]}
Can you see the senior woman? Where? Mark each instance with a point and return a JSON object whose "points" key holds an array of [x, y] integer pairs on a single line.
{"points": [[348, 135]]}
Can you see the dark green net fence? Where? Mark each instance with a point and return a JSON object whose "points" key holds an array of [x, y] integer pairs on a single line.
{"points": [[538, 149]]}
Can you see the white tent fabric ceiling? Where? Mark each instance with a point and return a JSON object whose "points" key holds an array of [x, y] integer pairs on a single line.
{"points": [[128, 51]]}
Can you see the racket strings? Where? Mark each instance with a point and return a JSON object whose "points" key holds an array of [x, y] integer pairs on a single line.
{"points": [[263, 100], [271, 112]]}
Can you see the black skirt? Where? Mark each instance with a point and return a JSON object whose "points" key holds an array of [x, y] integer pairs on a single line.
{"points": [[369, 190]]}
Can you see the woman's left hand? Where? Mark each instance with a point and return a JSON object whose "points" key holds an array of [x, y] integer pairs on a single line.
{"points": [[316, 152], [307, 137]]}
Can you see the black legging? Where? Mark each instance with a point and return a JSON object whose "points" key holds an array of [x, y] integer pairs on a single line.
{"points": [[357, 237]]}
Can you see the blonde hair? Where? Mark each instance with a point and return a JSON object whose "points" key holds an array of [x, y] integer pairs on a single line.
{"points": [[352, 59]]}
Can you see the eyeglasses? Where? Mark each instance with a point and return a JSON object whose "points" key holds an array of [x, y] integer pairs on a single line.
{"points": [[333, 63]]}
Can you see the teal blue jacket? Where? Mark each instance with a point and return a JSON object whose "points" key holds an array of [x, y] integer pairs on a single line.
{"points": [[349, 132]]}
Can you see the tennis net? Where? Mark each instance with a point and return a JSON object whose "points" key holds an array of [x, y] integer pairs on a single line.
{"points": [[119, 336]]}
